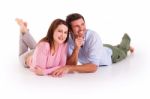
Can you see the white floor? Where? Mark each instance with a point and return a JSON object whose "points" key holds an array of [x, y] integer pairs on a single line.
{"points": [[127, 79]]}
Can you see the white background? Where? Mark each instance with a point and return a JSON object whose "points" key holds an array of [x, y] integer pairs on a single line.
{"points": [[110, 18]]}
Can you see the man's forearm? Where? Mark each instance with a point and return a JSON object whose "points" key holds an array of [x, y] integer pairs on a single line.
{"points": [[86, 68], [73, 59]]}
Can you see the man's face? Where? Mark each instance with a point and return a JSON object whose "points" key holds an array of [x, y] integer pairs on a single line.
{"points": [[78, 27]]}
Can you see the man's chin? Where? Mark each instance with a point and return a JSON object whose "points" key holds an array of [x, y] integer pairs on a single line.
{"points": [[76, 36], [81, 36]]}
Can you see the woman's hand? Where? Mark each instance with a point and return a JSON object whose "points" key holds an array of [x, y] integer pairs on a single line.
{"points": [[38, 71], [60, 71]]}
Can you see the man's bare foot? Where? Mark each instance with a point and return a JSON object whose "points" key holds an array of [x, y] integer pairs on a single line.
{"points": [[131, 49], [22, 24]]}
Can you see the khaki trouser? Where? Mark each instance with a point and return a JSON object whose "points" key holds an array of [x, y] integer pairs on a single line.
{"points": [[120, 51]]}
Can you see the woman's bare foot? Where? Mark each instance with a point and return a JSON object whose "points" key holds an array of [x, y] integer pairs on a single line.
{"points": [[131, 49], [22, 24]]}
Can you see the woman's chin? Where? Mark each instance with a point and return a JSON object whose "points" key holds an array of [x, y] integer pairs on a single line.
{"points": [[60, 42]]}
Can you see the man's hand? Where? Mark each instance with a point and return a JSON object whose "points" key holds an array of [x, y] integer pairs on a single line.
{"points": [[60, 71], [79, 42]]}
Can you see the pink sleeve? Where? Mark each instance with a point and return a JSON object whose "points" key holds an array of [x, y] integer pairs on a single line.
{"points": [[40, 55], [62, 60]]}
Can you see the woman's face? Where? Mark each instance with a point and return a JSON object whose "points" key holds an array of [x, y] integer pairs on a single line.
{"points": [[60, 34]]}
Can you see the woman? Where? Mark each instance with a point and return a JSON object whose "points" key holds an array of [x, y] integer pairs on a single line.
{"points": [[51, 51]]}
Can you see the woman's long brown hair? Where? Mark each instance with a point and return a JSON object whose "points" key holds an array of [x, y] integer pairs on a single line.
{"points": [[49, 37]]}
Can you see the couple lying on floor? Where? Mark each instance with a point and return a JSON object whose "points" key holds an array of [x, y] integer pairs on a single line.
{"points": [[66, 43]]}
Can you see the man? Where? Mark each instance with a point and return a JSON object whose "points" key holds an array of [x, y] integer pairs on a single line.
{"points": [[85, 46]]}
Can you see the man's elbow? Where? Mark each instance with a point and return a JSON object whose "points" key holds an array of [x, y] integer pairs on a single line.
{"points": [[93, 69]]}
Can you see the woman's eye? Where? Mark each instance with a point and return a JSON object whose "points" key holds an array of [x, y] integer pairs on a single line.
{"points": [[59, 31], [66, 33]]}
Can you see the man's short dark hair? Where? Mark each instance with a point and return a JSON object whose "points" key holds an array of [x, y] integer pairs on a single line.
{"points": [[73, 17]]}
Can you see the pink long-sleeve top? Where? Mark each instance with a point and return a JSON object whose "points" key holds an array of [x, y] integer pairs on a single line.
{"points": [[43, 58]]}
